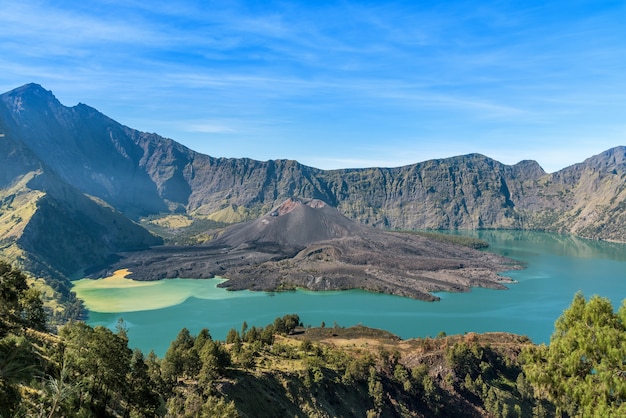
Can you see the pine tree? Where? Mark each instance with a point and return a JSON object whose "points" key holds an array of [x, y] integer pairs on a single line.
{"points": [[583, 369]]}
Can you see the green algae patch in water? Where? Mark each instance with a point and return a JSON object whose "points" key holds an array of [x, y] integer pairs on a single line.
{"points": [[117, 293]]}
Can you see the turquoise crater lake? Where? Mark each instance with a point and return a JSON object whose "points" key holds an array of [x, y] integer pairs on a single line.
{"points": [[557, 266]]}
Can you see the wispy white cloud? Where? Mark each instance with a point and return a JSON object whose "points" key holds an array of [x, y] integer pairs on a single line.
{"points": [[209, 128], [64, 29], [451, 76]]}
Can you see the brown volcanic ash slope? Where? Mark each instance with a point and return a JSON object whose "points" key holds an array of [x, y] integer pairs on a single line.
{"points": [[294, 223], [306, 243]]}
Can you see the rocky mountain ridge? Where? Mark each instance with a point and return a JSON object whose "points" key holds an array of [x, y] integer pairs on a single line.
{"points": [[141, 175]]}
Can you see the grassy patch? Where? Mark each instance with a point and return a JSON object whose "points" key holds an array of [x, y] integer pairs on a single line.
{"points": [[180, 229]]}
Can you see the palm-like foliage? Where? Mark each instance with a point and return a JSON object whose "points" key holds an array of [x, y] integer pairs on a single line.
{"points": [[17, 365]]}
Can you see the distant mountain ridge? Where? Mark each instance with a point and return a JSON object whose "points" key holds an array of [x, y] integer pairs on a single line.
{"points": [[141, 174]]}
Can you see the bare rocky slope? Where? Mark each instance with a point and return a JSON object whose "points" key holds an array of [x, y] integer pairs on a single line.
{"points": [[48, 226], [137, 175], [306, 243]]}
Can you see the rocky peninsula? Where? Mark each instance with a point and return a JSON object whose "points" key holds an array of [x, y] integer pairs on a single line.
{"points": [[309, 244]]}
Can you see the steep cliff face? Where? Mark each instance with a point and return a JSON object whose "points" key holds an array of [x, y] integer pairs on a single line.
{"points": [[144, 174], [259, 186], [587, 199], [465, 192], [49, 227]]}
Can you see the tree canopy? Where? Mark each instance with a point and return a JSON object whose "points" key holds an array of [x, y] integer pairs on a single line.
{"points": [[583, 369], [20, 305]]}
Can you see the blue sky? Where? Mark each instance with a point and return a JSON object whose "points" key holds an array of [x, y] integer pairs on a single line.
{"points": [[337, 84]]}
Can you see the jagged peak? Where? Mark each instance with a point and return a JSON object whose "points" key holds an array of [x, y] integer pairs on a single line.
{"points": [[613, 159], [530, 168], [527, 163], [33, 89], [26, 96], [617, 153]]}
